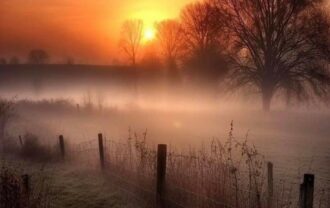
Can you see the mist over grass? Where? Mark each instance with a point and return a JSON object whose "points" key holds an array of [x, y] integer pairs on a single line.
{"points": [[186, 116], [277, 134], [283, 137]]}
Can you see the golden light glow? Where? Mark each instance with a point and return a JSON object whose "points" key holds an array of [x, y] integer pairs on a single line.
{"points": [[149, 15], [79, 26], [149, 34]]}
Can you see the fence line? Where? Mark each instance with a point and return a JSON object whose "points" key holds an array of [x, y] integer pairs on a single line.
{"points": [[153, 164]]}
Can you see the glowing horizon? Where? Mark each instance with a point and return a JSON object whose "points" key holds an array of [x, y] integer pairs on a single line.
{"points": [[67, 28]]}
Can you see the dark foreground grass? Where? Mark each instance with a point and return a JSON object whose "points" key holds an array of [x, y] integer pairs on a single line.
{"points": [[73, 187], [88, 189]]}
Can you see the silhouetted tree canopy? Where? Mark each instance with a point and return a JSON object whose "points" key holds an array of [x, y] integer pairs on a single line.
{"points": [[203, 41], [278, 47], [131, 37], [171, 42], [38, 56], [170, 36]]}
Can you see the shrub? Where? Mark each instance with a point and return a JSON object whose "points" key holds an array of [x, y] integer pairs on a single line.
{"points": [[10, 145], [33, 149]]}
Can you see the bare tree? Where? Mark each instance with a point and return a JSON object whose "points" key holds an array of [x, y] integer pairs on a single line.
{"points": [[131, 36], [204, 40], [278, 46], [38, 56], [170, 37], [201, 26]]}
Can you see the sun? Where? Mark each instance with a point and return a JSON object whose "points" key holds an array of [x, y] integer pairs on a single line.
{"points": [[149, 34]]}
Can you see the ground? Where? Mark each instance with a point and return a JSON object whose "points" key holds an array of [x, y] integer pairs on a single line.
{"points": [[78, 187]]}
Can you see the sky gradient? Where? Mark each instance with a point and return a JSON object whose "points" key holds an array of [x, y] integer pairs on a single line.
{"points": [[86, 29]]}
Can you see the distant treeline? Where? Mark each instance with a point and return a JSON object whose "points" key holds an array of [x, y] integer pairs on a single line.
{"points": [[13, 75], [76, 81]]}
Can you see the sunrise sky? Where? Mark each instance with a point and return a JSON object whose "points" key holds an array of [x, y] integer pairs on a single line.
{"points": [[86, 29]]}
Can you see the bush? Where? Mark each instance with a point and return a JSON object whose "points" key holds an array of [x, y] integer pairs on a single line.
{"points": [[33, 149], [10, 145]]}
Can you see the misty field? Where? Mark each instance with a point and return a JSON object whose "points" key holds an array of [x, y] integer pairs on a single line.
{"points": [[296, 142], [219, 144], [165, 104]]}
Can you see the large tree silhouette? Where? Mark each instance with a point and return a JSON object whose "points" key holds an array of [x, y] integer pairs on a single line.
{"points": [[203, 40], [278, 46], [171, 43], [170, 37], [131, 37]]}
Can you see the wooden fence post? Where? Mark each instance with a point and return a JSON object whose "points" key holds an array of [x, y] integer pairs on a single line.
{"points": [[20, 140], [161, 173], [307, 192], [101, 150], [270, 184], [62, 147]]}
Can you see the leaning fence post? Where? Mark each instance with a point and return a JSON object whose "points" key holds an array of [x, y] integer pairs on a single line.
{"points": [[270, 184], [161, 172], [307, 191], [62, 148], [101, 150]]}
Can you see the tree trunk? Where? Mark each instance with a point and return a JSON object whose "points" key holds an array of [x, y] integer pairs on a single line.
{"points": [[266, 100]]}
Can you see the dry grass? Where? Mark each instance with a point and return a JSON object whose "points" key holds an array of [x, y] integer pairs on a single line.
{"points": [[20, 191], [230, 174], [218, 174]]}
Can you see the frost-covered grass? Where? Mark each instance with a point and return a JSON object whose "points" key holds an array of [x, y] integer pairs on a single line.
{"points": [[74, 187], [89, 189]]}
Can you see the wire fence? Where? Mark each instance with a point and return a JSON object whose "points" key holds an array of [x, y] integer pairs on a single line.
{"points": [[203, 179]]}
